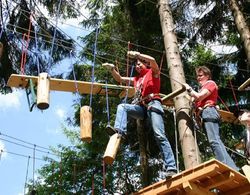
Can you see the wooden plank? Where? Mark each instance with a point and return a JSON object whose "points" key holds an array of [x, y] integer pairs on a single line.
{"points": [[245, 85], [21, 81]]}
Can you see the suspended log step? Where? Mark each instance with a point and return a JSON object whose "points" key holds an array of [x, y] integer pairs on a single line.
{"points": [[211, 177]]}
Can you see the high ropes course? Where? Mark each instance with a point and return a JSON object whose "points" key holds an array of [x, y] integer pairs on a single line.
{"points": [[211, 177]]}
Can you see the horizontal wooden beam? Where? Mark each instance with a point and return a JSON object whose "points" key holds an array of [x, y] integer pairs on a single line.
{"points": [[245, 85]]}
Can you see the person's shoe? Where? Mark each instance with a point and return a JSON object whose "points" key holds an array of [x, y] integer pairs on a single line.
{"points": [[110, 130], [170, 174]]}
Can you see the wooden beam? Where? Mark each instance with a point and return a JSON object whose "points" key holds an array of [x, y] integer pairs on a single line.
{"points": [[219, 179], [21, 81], [170, 96], [245, 85], [193, 189]]}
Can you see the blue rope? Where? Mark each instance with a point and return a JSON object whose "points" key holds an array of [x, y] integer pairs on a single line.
{"points": [[36, 50], [74, 75], [107, 102], [5, 14], [93, 67], [54, 36], [126, 96]]}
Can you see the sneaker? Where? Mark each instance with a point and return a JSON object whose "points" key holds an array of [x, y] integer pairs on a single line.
{"points": [[110, 130], [170, 174]]}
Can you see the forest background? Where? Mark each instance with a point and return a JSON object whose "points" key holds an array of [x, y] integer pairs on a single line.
{"points": [[33, 43]]}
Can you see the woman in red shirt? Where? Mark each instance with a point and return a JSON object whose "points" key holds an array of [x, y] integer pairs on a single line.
{"points": [[205, 101]]}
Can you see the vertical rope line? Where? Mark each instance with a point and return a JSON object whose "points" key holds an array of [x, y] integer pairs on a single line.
{"points": [[34, 153], [235, 98], [104, 174], [176, 141], [128, 58], [54, 35], [4, 22], [93, 185], [36, 52], [126, 96], [26, 39], [224, 104], [74, 75], [26, 177], [107, 102], [93, 66], [162, 58]]}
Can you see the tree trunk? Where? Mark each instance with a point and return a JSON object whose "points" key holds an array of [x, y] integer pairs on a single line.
{"points": [[143, 152], [242, 28], [176, 74]]}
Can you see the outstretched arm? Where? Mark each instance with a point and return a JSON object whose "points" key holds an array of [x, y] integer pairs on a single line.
{"points": [[197, 95], [153, 64], [116, 75]]}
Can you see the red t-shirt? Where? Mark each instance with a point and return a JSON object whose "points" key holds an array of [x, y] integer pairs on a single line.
{"points": [[148, 84], [212, 98]]}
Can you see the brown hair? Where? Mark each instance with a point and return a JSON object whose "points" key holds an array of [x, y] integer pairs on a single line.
{"points": [[205, 70]]}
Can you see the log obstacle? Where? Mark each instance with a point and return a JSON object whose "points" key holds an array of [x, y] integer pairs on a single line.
{"points": [[112, 148], [86, 123], [43, 90]]}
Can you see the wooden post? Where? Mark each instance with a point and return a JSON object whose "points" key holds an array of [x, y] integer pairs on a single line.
{"points": [[43, 91], [112, 148], [86, 123]]}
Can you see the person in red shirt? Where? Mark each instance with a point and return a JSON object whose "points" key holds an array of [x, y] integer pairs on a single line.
{"points": [[147, 102], [205, 101]]}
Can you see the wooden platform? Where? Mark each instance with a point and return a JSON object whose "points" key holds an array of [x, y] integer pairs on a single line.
{"points": [[211, 177], [21, 81]]}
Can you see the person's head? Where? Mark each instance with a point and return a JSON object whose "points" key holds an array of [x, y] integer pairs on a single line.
{"points": [[203, 74], [141, 65]]}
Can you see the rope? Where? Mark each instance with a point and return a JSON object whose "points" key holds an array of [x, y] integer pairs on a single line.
{"points": [[126, 96], [223, 103], [27, 172], [26, 39], [93, 184], [5, 14], [93, 67], [54, 36], [235, 99], [36, 46], [128, 58], [162, 58], [104, 174], [74, 75], [107, 102], [34, 153], [176, 141]]}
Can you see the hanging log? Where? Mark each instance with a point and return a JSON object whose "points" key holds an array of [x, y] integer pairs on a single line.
{"points": [[86, 123], [43, 89], [112, 148]]}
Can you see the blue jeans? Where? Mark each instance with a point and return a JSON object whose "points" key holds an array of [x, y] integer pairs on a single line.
{"points": [[154, 112], [211, 119]]}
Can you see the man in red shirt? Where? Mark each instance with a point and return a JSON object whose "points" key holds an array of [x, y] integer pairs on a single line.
{"points": [[205, 103], [147, 102]]}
